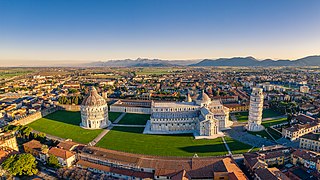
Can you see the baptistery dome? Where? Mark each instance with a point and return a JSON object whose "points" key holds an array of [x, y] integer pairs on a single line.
{"points": [[94, 111], [93, 99]]}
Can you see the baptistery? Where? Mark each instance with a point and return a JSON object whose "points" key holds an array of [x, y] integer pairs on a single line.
{"points": [[94, 111]]}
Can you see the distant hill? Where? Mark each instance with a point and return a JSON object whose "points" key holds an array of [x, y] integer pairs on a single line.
{"points": [[140, 62], [251, 61], [235, 61]]}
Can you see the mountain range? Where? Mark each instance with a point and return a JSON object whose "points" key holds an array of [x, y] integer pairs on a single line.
{"points": [[235, 61]]}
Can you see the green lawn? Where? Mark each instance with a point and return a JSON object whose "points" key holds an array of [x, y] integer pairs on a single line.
{"points": [[113, 116], [263, 134], [237, 147], [13, 73], [267, 113], [65, 124], [137, 119], [242, 116], [274, 133], [273, 122], [131, 139]]}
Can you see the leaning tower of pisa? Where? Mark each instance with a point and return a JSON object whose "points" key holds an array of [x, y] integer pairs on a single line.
{"points": [[255, 110]]}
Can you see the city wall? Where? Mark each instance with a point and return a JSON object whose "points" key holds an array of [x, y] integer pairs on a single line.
{"points": [[35, 116], [69, 107]]}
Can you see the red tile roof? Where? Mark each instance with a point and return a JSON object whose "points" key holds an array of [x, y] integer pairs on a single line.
{"points": [[64, 154]]}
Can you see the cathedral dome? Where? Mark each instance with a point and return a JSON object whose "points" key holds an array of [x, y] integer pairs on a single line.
{"points": [[203, 97], [93, 99]]}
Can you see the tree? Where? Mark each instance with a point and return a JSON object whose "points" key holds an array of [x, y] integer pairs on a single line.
{"points": [[26, 131], [40, 136], [21, 165], [44, 149], [53, 161], [289, 118]]}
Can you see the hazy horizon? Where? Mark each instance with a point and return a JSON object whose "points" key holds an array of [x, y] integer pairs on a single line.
{"points": [[77, 31]]}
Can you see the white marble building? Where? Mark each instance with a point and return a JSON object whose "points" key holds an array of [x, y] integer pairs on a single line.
{"points": [[255, 110], [204, 118], [132, 106], [94, 111]]}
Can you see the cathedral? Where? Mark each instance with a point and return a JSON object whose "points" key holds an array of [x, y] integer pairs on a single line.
{"points": [[203, 117], [94, 111]]}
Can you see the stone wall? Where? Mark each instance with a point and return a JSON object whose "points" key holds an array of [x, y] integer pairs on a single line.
{"points": [[69, 107], [35, 116]]}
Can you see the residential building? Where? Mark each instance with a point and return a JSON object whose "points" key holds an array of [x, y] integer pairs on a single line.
{"points": [[8, 140], [65, 157], [310, 141]]}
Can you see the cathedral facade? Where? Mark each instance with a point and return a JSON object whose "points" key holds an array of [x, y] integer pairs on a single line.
{"points": [[203, 117], [94, 111]]}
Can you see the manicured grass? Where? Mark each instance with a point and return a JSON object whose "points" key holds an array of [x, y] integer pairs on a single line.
{"points": [[131, 139], [113, 116], [242, 116], [237, 147], [267, 113], [273, 122], [274, 133], [263, 134], [136, 119], [65, 124]]}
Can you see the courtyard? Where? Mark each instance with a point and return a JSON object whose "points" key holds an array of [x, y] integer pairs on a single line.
{"points": [[65, 124]]}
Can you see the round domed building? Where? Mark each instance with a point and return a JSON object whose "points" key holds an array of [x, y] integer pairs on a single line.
{"points": [[94, 111]]}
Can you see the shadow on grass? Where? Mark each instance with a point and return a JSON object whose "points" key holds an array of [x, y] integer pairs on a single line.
{"points": [[68, 117], [238, 146], [72, 117]]}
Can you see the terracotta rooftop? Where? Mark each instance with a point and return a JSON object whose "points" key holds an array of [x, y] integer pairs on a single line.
{"points": [[115, 170], [64, 154], [33, 144], [67, 145], [307, 155], [271, 174], [200, 167]]}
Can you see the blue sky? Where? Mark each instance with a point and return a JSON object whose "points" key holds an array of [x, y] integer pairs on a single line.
{"points": [[77, 30]]}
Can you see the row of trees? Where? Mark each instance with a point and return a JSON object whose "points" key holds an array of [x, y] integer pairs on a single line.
{"points": [[70, 100], [284, 107]]}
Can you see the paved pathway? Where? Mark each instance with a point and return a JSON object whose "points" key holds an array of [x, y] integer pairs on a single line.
{"points": [[105, 131], [100, 136], [237, 132], [227, 146], [128, 125], [50, 136], [119, 118], [276, 117]]}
